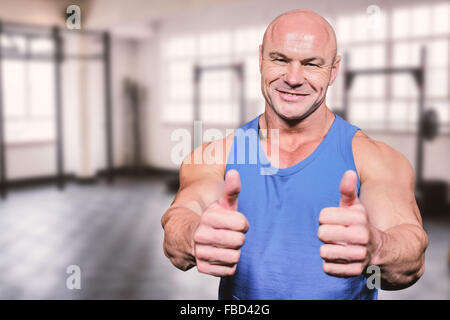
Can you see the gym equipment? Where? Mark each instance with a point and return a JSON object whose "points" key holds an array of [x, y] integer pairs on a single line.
{"points": [[133, 93], [57, 57], [431, 197], [58, 106], [432, 194], [418, 74], [2, 137], [429, 124]]}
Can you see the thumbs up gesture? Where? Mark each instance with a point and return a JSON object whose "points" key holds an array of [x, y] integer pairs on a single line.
{"points": [[221, 231], [346, 233]]}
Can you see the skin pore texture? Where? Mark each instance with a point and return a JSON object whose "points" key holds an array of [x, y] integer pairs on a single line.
{"points": [[298, 61]]}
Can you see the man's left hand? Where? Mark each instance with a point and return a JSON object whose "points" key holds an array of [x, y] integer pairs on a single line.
{"points": [[349, 240]]}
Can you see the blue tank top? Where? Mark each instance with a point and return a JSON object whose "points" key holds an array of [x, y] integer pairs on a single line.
{"points": [[280, 258]]}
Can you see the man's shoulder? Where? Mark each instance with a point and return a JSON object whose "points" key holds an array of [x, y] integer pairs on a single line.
{"points": [[375, 158], [210, 155], [363, 143]]}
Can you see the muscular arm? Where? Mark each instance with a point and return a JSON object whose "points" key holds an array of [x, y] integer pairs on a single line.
{"points": [[200, 185], [387, 192]]}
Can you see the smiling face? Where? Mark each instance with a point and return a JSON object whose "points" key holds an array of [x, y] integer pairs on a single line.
{"points": [[297, 62]]}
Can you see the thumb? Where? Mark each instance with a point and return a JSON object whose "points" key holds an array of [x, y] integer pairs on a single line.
{"points": [[231, 189], [348, 189]]}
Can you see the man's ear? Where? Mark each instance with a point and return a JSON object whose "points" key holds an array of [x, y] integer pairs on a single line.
{"points": [[260, 57], [335, 69]]}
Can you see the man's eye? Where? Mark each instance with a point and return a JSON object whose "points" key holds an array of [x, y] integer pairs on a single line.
{"points": [[311, 65], [280, 60]]}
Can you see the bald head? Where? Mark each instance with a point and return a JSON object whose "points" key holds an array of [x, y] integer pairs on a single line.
{"points": [[298, 63], [301, 27]]}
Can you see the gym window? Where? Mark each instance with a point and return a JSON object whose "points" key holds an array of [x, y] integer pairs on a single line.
{"points": [[28, 92], [218, 88], [390, 102]]}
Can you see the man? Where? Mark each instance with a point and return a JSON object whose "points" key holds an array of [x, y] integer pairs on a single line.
{"points": [[337, 203]]}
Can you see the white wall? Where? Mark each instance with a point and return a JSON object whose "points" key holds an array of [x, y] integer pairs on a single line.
{"points": [[30, 160], [42, 12]]}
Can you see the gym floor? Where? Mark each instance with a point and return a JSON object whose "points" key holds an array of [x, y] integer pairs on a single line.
{"points": [[113, 233]]}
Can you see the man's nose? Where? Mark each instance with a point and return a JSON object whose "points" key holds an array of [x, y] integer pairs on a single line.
{"points": [[294, 76]]}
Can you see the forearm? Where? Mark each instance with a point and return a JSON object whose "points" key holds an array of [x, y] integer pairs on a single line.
{"points": [[179, 224], [400, 253]]}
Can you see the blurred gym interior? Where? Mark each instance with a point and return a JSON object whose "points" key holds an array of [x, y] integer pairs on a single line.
{"points": [[88, 115]]}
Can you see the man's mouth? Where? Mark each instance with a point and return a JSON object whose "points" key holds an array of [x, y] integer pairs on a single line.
{"points": [[292, 93], [290, 96]]}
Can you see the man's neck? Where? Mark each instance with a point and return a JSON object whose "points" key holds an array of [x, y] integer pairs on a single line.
{"points": [[315, 126]]}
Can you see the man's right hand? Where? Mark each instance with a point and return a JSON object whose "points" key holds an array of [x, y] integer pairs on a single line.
{"points": [[220, 232]]}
